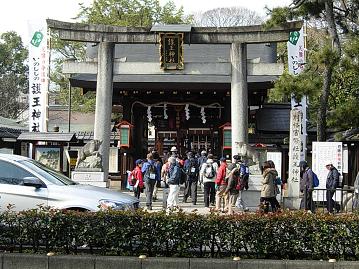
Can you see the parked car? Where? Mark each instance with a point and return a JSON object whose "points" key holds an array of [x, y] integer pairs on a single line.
{"points": [[26, 183]]}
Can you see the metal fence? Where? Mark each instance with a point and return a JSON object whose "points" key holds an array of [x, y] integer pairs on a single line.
{"points": [[341, 200]]}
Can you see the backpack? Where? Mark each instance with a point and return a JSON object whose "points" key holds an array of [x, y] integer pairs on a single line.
{"points": [[244, 170], [315, 180], [192, 169], [209, 171], [227, 175], [183, 176], [131, 178], [150, 173], [237, 181]]}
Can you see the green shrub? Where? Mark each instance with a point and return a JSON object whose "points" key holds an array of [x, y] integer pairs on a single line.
{"points": [[287, 235]]}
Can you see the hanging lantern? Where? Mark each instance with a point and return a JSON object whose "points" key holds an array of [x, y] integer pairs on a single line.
{"points": [[124, 129]]}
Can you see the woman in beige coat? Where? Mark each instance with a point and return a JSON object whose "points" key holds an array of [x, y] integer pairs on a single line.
{"points": [[268, 191]]}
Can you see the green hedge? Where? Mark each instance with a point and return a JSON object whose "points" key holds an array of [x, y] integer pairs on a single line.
{"points": [[288, 235]]}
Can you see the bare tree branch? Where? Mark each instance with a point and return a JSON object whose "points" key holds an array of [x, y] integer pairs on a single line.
{"points": [[227, 17]]}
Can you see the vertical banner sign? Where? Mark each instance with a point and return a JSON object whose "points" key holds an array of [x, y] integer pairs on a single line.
{"points": [[294, 152], [38, 77], [296, 61]]}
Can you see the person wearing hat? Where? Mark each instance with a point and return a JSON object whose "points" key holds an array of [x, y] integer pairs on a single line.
{"points": [[331, 184], [150, 178], [137, 179], [201, 160], [192, 171], [174, 176], [207, 175], [221, 184], [306, 186], [174, 152]]}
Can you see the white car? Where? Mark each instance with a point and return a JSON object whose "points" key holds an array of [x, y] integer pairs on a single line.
{"points": [[26, 184]]}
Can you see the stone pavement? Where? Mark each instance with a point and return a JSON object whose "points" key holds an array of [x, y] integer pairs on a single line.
{"points": [[251, 197]]}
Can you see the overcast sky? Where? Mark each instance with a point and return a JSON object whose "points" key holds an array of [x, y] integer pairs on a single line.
{"points": [[15, 14]]}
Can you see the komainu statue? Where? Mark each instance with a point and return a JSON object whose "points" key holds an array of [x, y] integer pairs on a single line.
{"points": [[89, 156], [248, 152]]}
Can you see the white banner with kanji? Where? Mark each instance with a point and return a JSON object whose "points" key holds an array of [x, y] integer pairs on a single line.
{"points": [[296, 63], [38, 76]]}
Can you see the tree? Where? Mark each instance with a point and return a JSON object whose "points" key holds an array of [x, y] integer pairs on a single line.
{"points": [[227, 17], [131, 13], [334, 16], [344, 101], [13, 75]]}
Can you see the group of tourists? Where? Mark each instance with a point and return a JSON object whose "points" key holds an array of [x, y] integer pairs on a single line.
{"points": [[222, 182]]}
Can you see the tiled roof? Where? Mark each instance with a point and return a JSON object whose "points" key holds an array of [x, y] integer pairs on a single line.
{"points": [[9, 132], [42, 136]]}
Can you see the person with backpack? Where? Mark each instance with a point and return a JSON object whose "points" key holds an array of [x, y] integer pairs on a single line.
{"points": [[192, 171], [306, 186], [158, 165], [233, 186], [277, 191], [174, 178], [208, 174], [243, 173], [331, 184], [136, 179], [221, 183], [150, 177], [268, 191]]}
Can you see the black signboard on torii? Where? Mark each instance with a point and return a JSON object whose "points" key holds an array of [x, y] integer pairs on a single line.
{"points": [[171, 51]]}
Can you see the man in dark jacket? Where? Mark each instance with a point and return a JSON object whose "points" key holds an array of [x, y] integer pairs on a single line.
{"points": [[192, 171], [331, 184], [306, 186]]}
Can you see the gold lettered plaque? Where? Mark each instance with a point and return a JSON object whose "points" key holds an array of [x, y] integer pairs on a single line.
{"points": [[171, 51]]}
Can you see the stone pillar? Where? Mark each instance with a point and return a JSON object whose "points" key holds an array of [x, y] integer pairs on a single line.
{"points": [[104, 90], [239, 96]]}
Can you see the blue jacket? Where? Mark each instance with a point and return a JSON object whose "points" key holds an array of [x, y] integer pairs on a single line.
{"points": [[158, 166], [145, 167], [174, 175]]}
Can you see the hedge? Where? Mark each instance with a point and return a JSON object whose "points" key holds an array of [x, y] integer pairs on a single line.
{"points": [[286, 235]]}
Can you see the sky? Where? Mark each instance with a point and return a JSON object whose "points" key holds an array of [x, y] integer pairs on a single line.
{"points": [[15, 14]]}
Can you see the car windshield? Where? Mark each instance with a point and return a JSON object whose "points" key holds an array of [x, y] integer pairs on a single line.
{"points": [[51, 175]]}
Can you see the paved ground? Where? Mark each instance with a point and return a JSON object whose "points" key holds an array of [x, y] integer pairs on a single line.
{"points": [[251, 197]]}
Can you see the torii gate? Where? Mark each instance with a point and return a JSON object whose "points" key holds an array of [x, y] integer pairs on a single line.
{"points": [[107, 36]]}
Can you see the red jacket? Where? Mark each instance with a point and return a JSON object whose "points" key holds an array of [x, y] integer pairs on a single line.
{"points": [[221, 174], [137, 173]]}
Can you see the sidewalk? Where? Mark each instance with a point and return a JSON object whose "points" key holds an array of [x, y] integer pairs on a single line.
{"points": [[189, 207]]}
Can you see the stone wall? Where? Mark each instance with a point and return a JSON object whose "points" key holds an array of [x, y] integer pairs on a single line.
{"points": [[29, 261]]}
